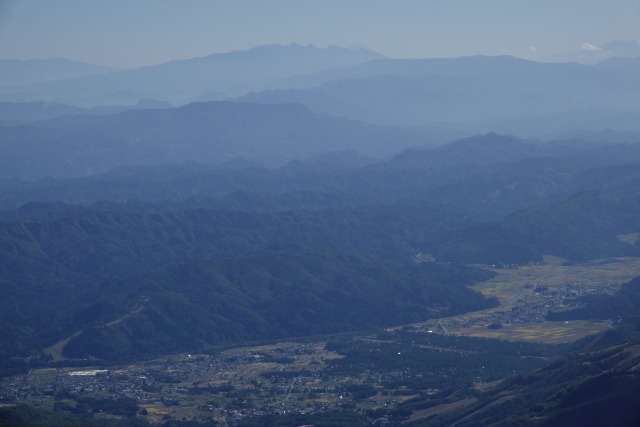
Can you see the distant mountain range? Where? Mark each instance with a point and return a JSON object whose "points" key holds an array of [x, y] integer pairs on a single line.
{"points": [[503, 94], [171, 258], [321, 191], [20, 72], [213, 132], [489, 172], [565, 191], [20, 113], [477, 94], [183, 81], [592, 54]]}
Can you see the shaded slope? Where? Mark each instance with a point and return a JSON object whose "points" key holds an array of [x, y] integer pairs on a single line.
{"points": [[279, 292], [586, 388], [485, 175], [212, 132], [66, 268], [582, 227]]}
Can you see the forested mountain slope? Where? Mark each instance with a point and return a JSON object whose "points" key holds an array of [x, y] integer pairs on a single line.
{"points": [[485, 174], [68, 268], [591, 386]]}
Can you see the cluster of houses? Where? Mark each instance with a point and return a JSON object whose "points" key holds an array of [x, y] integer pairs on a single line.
{"points": [[231, 385]]}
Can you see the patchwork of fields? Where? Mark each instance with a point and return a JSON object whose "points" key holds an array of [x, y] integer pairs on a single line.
{"points": [[527, 293]]}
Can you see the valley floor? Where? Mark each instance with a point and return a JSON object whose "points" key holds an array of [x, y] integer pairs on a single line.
{"points": [[527, 293], [301, 377]]}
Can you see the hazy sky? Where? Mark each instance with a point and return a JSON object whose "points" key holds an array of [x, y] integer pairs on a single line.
{"points": [[128, 33]]}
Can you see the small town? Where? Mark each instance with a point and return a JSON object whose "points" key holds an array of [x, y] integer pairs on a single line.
{"points": [[230, 386], [271, 379]]}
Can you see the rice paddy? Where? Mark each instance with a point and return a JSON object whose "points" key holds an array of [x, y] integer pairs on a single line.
{"points": [[526, 293]]}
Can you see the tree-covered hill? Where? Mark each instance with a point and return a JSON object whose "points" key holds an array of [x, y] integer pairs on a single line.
{"points": [[486, 176], [279, 292], [195, 276], [173, 257], [156, 281], [588, 387], [582, 227], [622, 305]]}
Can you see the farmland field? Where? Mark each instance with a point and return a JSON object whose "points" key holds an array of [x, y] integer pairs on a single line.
{"points": [[526, 294]]}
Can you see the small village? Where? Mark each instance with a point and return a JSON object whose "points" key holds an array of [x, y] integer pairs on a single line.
{"points": [[278, 379], [228, 385], [540, 300]]}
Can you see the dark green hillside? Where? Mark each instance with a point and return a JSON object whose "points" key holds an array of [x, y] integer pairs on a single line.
{"points": [[22, 416], [68, 268], [495, 175], [57, 258], [500, 189], [580, 228], [622, 180], [484, 177], [622, 305], [583, 388], [280, 292], [104, 243]]}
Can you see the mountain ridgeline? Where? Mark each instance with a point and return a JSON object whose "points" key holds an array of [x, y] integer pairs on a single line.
{"points": [[216, 254], [180, 81], [212, 132], [140, 285], [294, 192], [469, 94]]}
